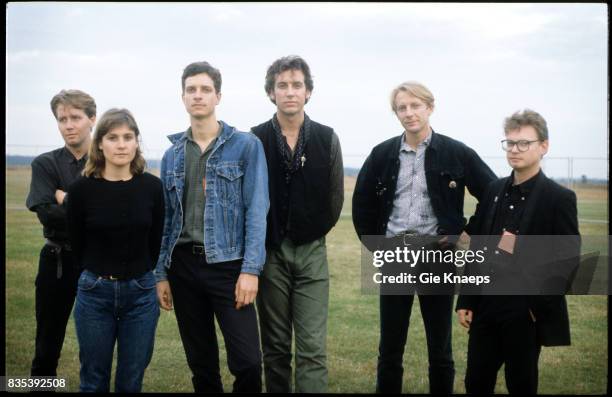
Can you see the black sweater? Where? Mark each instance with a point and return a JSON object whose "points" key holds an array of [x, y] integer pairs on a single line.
{"points": [[115, 227]]}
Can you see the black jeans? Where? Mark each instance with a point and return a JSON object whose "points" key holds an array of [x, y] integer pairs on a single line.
{"points": [[202, 291], [395, 313], [498, 338], [54, 300]]}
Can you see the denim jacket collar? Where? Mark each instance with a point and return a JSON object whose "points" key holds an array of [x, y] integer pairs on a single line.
{"points": [[226, 133]]}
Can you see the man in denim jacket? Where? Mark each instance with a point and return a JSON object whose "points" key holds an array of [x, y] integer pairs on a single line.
{"points": [[213, 246], [414, 184]]}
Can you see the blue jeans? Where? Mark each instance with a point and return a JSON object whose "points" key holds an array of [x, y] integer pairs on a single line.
{"points": [[106, 311]]}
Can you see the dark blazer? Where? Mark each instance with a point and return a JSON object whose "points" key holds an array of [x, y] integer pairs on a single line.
{"points": [[550, 210], [446, 160]]}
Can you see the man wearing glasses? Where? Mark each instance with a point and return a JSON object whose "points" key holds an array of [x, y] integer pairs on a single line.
{"points": [[510, 329], [414, 184]]}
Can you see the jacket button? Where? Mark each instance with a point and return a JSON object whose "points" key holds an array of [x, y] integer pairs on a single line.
{"points": [[496, 252]]}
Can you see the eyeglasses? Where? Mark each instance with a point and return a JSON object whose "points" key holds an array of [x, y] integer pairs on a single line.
{"points": [[522, 145]]}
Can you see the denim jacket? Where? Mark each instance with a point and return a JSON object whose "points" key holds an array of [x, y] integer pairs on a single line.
{"points": [[237, 200]]}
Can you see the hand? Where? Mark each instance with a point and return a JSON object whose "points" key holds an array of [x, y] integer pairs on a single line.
{"points": [[465, 317], [464, 241], [246, 289], [59, 196], [164, 295]]}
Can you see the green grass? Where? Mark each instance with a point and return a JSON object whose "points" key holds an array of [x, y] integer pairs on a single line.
{"points": [[353, 328]]}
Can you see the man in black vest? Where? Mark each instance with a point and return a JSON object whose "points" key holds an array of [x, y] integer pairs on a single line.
{"points": [[58, 273], [414, 184], [306, 196], [510, 329]]}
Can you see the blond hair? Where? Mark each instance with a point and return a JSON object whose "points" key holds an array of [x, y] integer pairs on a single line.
{"points": [[415, 89]]}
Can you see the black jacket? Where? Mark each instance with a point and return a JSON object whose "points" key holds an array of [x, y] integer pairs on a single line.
{"points": [[446, 160], [550, 211]]}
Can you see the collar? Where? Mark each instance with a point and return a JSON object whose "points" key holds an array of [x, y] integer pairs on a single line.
{"points": [[433, 141], [404, 147], [277, 128], [525, 187], [226, 133], [189, 133], [69, 157]]}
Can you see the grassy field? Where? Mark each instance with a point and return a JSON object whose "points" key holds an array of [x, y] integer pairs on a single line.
{"points": [[353, 318]]}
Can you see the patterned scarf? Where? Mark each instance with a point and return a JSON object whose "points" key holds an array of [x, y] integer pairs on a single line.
{"points": [[292, 162]]}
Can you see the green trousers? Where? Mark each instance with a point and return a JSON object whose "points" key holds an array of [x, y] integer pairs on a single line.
{"points": [[293, 296]]}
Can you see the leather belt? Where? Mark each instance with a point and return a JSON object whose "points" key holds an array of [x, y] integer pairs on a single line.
{"points": [[57, 248], [112, 278], [64, 246], [197, 249], [194, 249]]}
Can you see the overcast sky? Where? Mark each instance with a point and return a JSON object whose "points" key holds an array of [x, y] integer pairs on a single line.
{"points": [[481, 61]]}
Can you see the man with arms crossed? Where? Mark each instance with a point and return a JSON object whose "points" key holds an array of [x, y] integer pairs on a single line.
{"points": [[216, 195], [58, 273], [414, 184], [508, 329], [306, 195]]}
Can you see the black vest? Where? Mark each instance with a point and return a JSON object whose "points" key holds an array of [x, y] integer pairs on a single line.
{"points": [[306, 196]]}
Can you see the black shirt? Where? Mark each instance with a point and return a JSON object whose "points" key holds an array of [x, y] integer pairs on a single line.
{"points": [[51, 171], [116, 226], [508, 214], [511, 206]]}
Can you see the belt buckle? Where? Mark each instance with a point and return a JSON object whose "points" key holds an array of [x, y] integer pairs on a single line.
{"points": [[197, 249], [110, 277], [404, 235]]}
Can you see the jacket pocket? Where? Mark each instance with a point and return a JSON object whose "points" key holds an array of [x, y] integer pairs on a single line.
{"points": [[452, 180], [229, 182], [171, 188]]}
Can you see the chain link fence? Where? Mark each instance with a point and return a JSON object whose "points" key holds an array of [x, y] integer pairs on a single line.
{"points": [[569, 171]]}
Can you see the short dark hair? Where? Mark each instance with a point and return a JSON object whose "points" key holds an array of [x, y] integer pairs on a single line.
{"points": [[76, 99], [527, 117], [291, 62], [202, 67]]}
